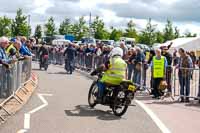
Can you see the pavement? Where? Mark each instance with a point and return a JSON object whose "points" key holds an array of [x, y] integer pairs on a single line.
{"points": [[60, 105], [177, 117]]}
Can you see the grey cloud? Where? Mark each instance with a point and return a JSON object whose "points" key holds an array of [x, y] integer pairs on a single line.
{"points": [[62, 9], [181, 10], [11, 6]]}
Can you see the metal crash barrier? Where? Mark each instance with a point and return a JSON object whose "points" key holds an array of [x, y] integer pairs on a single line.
{"points": [[13, 77], [186, 82], [142, 77]]}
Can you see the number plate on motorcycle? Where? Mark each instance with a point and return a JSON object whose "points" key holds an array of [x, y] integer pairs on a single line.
{"points": [[131, 88]]}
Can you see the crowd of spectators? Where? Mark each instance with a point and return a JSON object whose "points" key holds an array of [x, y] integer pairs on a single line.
{"points": [[90, 56]]}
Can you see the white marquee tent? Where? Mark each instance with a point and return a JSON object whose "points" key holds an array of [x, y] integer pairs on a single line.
{"points": [[189, 44]]}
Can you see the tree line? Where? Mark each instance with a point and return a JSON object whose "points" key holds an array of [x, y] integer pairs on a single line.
{"points": [[149, 35]]}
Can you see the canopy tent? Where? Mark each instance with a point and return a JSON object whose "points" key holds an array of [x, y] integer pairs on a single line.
{"points": [[189, 44]]}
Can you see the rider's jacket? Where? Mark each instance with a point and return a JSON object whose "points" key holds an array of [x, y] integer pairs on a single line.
{"points": [[116, 72]]}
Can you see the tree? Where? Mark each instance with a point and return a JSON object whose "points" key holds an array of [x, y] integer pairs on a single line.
{"points": [[5, 26], [130, 31], [116, 34], [159, 37], [98, 27], [80, 29], [65, 27], [20, 25], [176, 33], [38, 31], [189, 34], [168, 31], [148, 35], [50, 27]]}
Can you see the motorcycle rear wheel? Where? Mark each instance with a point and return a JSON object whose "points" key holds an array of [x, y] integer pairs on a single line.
{"points": [[119, 104]]}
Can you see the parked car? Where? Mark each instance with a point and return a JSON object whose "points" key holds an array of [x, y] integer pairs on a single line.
{"points": [[143, 47]]}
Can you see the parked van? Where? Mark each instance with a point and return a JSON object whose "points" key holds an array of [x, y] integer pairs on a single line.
{"points": [[128, 41]]}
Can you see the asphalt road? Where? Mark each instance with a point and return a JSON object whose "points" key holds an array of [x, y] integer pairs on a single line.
{"points": [[68, 112]]}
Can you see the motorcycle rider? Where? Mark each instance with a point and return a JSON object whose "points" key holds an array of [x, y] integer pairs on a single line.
{"points": [[43, 51], [115, 71]]}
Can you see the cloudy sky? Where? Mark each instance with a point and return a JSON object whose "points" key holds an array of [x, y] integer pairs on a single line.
{"points": [[184, 13]]}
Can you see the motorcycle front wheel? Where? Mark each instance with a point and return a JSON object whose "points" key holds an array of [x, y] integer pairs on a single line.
{"points": [[92, 95], [119, 106]]}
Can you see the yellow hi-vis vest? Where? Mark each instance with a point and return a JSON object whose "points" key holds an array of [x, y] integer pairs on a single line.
{"points": [[117, 71], [9, 48], [158, 67]]}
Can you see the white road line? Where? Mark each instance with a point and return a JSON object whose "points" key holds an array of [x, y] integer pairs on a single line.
{"points": [[153, 116], [45, 103], [22, 131], [27, 116]]}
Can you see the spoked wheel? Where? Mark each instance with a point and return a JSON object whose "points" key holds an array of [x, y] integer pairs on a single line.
{"points": [[92, 96], [119, 106]]}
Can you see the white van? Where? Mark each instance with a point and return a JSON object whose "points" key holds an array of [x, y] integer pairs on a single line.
{"points": [[128, 41]]}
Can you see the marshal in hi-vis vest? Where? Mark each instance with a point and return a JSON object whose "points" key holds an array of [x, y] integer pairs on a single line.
{"points": [[158, 67], [116, 73]]}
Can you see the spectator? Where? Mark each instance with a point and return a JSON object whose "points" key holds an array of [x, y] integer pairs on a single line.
{"points": [[139, 59], [184, 74], [130, 65], [151, 55], [169, 70], [24, 50], [124, 48], [131, 60], [193, 57], [194, 60], [159, 64], [175, 58], [4, 42]]}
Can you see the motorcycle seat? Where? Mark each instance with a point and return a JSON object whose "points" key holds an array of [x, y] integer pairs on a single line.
{"points": [[111, 85]]}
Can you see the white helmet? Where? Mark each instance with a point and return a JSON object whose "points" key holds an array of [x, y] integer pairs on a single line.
{"points": [[116, 51]]}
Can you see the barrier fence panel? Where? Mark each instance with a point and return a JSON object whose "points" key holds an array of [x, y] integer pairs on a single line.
{"points": [[11, 78], [186, 82]]}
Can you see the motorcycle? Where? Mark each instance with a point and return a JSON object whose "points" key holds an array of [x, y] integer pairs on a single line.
{"points": [[44, 62], [118, 97]]}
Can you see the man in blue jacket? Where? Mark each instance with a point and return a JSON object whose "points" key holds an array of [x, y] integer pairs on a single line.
{"points": [[24, 49]]}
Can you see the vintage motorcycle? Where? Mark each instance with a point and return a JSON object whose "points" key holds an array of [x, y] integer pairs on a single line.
{"points": [[118, 97]]}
